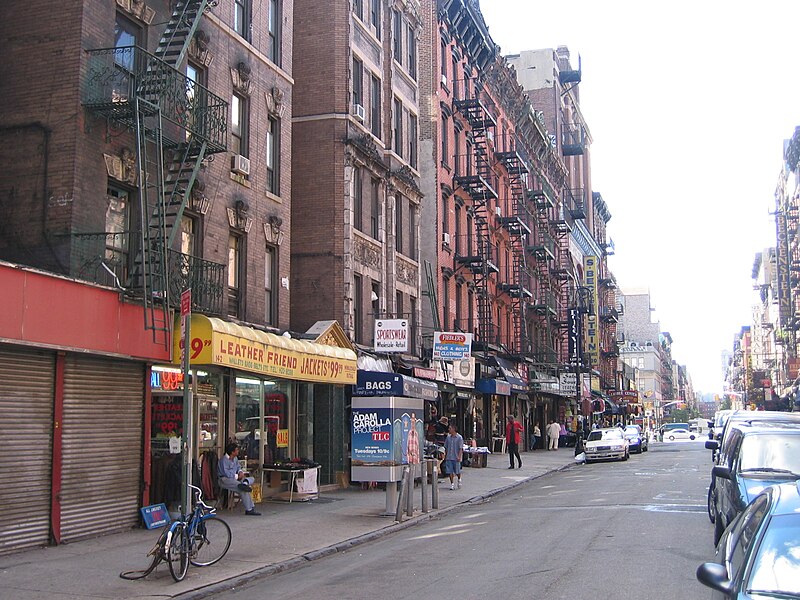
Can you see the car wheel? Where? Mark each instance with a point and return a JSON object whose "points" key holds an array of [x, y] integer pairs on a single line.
{"points": [[672, 438], [691, 437], [710, 504]]}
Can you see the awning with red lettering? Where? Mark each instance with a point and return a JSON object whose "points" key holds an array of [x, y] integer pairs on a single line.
{"points": [[218, 342]]}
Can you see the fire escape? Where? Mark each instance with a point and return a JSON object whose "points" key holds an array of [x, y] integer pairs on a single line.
{"points": [[542, 247], [517, 285], [479, 258], [177, 124]]}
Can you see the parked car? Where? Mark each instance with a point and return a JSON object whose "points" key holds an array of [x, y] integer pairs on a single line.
{"points": [[757, 554], [606, 444], [666, 427], [679, 434], [637, 441], [720, 444], [758, 455]]}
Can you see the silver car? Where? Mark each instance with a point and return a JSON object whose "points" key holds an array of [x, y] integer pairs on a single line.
{"points": [[606, 444]]}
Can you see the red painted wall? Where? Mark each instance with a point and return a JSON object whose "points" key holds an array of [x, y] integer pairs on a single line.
{"points": [[38, 308]]}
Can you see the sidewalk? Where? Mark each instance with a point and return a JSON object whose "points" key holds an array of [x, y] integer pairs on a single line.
{"points": [[284, 537]]}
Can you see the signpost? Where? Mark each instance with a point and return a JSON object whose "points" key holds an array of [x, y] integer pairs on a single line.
{"points": [[188, 416], [452, 345]]}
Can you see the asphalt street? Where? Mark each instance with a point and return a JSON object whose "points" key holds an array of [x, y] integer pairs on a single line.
{"points": [[623, 530]]}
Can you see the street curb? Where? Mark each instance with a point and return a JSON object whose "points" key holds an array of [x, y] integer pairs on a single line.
{"points": [[302, 560]]}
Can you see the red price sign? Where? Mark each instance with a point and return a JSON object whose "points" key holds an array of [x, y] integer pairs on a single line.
{"points": [[186, 302]]}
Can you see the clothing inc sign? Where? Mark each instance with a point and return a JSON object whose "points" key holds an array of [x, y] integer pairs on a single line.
{"points": [[391, 335], [452, 346]]}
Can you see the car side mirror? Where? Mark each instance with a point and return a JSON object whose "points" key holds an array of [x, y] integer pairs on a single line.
{"points": [[712, 445], [722, 471], [715, 576]]}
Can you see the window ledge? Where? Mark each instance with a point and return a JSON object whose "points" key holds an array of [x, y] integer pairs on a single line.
{"points": [[241, 180]]}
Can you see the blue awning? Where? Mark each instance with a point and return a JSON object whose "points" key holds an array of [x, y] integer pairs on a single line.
{"points": [[373, 383], [493, 386], [510, 374]]}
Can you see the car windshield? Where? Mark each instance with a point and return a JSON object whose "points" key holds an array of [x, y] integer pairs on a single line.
{"points": [[775, 452], [605, 434], [776, 568]]}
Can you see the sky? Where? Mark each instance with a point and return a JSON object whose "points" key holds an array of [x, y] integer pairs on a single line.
{"points": [[688, 105]]}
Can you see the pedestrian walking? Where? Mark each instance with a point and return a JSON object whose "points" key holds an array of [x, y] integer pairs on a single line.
{"points": [[537, 433], [453, 453], [553, 432], [513, 438]]}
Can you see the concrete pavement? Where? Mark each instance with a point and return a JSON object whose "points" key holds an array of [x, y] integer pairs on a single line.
{"points": [[286, 536]]}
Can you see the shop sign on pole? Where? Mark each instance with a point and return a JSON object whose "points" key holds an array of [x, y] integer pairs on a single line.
{"points": [[391, 335], [188, 416], [568, 383]]}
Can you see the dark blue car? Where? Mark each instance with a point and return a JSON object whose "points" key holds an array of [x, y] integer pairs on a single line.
{"points": [[758, 556], [755, 456]]}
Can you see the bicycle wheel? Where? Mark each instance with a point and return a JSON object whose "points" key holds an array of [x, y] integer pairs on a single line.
{"points": [[178, 552], [211, 542]]}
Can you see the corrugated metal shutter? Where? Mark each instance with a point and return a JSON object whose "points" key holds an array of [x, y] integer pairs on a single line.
{"points": [[102, 446], [26, 430]]}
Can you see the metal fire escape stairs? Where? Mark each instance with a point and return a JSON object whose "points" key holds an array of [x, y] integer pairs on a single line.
{"points": [[517, 286], [165, 194], [545, 253], [480, 260]]}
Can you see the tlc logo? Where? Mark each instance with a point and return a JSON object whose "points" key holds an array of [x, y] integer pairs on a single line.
{"points": [[380, 436]]}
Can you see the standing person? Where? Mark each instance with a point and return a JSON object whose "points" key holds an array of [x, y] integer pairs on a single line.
{"points": [[440, 434], [513, 433], [233, 478], [454, 452], [537, 433], [553, 431]]}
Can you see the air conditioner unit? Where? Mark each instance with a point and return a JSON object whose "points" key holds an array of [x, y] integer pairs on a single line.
{"points": [[498, 211], [446, 238], [359, 112], [444, 79], [240, 164]]}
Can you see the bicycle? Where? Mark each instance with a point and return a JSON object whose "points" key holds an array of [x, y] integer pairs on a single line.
{"points": [[202, 539]]}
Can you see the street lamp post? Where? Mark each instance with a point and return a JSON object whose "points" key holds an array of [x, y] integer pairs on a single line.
{"points": [[583, 304]]}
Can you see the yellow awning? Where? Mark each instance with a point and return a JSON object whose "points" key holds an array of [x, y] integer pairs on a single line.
{"points": [[218, 342]]}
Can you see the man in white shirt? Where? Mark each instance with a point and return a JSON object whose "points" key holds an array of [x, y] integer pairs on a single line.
{"points": [[234, 479]]}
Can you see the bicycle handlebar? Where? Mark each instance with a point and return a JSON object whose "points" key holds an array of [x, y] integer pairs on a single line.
{"points": [[199, 500]]}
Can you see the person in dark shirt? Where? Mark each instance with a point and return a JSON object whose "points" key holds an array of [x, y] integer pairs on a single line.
{"points": [[441, 431]]}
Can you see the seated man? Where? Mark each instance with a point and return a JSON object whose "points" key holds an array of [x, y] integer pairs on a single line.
{"points": [[234, 479]]}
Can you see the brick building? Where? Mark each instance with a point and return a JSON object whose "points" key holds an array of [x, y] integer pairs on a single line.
{"points": [[355, 248]]}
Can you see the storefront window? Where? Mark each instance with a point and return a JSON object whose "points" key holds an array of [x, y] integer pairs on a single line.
{"points": [[254, 424]]}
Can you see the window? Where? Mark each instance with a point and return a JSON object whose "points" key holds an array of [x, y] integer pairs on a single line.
{"points": [[459, 324], [376, 209], [455, 84], [470, 310], [239, 125], [126, 34], [456, 151], [195, 76], [375, 296], [358, 8], [358, 309], [397, 36], [270, 286], [375, 108], [398, 304], [241, 18], [412, 140], [445, 304], [274, 32], [445, 214], [398, 222], [445, 147], [398, 127], [443, 60], [457, 231], [234, 274], [117, 231], [412, 322], [358, 82], [375, 17], [273, 155], [358, 199], [188, 229], [411, 51], [412, 230], [468, 159]]}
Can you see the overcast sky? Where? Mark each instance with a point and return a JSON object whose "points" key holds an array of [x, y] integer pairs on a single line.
{"points": [[688, 104]]}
